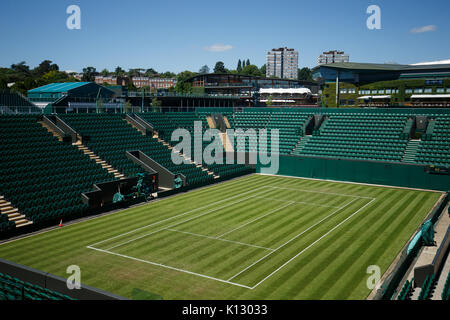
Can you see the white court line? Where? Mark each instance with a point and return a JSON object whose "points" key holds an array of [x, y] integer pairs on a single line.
{"points": [[169, 267], [258, 218], [336, 194], [214, 238], [178, 223], [312, 244], [173, 217], [301, 202], [271, 250], [282, 245]]}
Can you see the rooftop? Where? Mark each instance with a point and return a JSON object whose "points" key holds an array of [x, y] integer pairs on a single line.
{"points": [[59, 87]]}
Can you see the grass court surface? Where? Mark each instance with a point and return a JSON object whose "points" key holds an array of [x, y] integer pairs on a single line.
{"points": [[257, 237]]}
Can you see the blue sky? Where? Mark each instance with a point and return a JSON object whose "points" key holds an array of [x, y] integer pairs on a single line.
{"points": [[179, 35]]}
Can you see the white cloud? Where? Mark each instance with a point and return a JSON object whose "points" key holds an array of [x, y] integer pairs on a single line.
{"points": [[429, 28], [219, 47]]}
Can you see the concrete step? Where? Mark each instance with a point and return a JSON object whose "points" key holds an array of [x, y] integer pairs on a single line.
{"points": [[4, 204], [16, 217], [23, 223], [9, 210]]}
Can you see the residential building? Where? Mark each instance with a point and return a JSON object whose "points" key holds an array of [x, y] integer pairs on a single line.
{"points": [[282, 63], [333, 56]]}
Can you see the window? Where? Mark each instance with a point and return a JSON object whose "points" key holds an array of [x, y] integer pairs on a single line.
{"points": [[418, 90], [440, 90], [381, 91], [408, 91], [343, 91], [352, 90], [374, 91], [388, 91], [448, 90], [428, 90]]}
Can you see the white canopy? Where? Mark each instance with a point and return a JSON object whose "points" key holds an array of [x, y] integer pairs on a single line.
{"points": [[430, 96], [374, 97], [285, 91]]}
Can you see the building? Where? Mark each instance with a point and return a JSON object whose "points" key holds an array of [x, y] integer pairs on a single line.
{"points": [[111, 80], [71, 95], [294, 97], [282, 63], [333, 56], [384, 85], [246, 88], [154, 83]]}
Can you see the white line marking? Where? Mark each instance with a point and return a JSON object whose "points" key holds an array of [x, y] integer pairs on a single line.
{"points": [[218, 238], [214, 238], [292, 239], [336, 194], [173, 217], [312, 244], [258, 218], [301, 202], [169, 267], [178, 223]]}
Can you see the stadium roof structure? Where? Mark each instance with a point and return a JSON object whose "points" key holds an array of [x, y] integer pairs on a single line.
{"points": [[56, 91], [58, 87], [372, 72]]}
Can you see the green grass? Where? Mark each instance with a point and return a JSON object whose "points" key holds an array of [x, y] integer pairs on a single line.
{"points": [[270, 237]]}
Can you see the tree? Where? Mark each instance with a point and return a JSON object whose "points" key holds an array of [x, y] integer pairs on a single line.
{"points": [[89, 74], [204, 69], [183, 86], [136, 72], [263, 70], [119, 72], [168, 74], [105, 72], [3, 84], [151, 73], [21, 67], [243, 63], [45, 67], [239, 66], [251, 70], [53, 76], [305, 74], [156, 105], [128, 107], [220, 67], [269, 101], [248, 62]]}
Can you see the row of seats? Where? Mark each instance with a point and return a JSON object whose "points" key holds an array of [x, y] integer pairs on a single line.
{"points": [[436, 148], [12, 288], [41, 176], [364, 137], [172, 120], [109, 136]]}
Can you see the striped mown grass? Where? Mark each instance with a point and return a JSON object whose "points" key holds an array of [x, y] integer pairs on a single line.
{"points": [[257, 237]]}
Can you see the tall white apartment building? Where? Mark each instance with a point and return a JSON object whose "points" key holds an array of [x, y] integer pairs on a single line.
{"points": [[282, 63], [333, 56]]}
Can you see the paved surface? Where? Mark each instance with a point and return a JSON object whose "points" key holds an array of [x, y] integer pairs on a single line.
{"points": [[427, 254]]}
